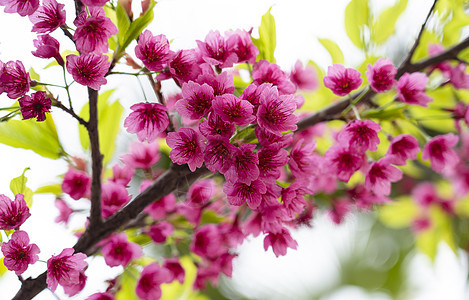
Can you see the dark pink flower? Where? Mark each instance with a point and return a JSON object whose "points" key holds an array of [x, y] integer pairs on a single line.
{"points": [[275, 113], [302, 162], [100, 296], [243, 46], [207, 242], [74, 288], [118, 251], [305, 78], [173, 266], [342, 80], [14, 80], [425, 194], [201, 192], [91, 3], [253, 94], [340, 208], [122, 174], [343, 162], [402, 148], [113, 197], [217, 51], [65, 268], [421, 224], [458, 77], [182, 67], [22, 7], [239, 193], [148, 120], [292, 197], [266, 72], [64, 211], [93, 31], [244, 168], [89, 69], [214, 125], [158, 209], [13, 213], [188, 147], [271, 159], [35, 106], [196, 102], [381, 75], [47, 47], [360, 135], [159, 232], [48, 17], [218, 154], [380, 175], [411, 89], [149, 283], [280, 242], [266, 138], [365, 198], [438, 151], [19, 253], [76, 183], [153, 51], [142, 155], [234, 110], [221, 83]]}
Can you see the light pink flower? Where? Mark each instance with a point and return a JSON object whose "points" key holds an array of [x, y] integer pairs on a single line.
{"points": [[22, 7], [207, 242], [380, 175], [177, 271], [153, 51], [305, 78], [148, 120], [35, 106], [13, 213], [89, 69], [158, 209], [234, 110], [149, 283], [342, 80], [402, 148], [196, 102], [159, 232], [122, 174], [438, 151], [381, 75], [217, 51], [266, 72], [360, 135], [411, 89], [142, 155], [239, 193], [188, 147], [65, 268], [113, 197], [93, 31], [14, 80], [47, 47], [48, 17], [244, 168], [425, 194], [76, 183], [18, 253], [64, 211], [118, 251], [458, 77], [280, 242]]}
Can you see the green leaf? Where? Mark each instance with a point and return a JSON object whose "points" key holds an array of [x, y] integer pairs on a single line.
{"points": [[356, 18], [123, 23], [384, 26], [267, 40], [334, 51], [109, 118], [209, 216], [128, 283], [399, 213], [41, 137], [3, 269], [55, 189], [18, 186]]}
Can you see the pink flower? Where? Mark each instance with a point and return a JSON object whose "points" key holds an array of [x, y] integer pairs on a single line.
{"points": [[217, 51], [188, 147], [266, 72], [19, 253], [342, 80], [425, 194], [22, 7], [74, 288], [271, 159], [439, 151], [100, 296], [65, 268], [275, 113], [142, 155], [380, 175], [343, 162], [207, 242], [381, 75], [360, 135], [444, 67], [305, 78], [302, 162], [93, 31], [340, 208], [196, 102], [402, 148], [218, 154], [411, 89], [148, 120], [458, 77], [239, 193], [149, 283], [292, 197], [253, 94], [214, 125], [243, 46], [266, 138], [244, 168], [113, 197], [91, 3], [201, 192], [160, 231], [122, 174], [280, 242], [175, 268], [14, 80], [13, 213], [234, 110], [220, 83], [48, 17], [47, 47], [35, 106], [64, 211], [118, 251], [158, 209], [182, 67], [76, 183], [89, 69], [153, 51]]}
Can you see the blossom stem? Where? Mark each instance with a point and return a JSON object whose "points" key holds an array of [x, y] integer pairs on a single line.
{"points": [[67, 88]]}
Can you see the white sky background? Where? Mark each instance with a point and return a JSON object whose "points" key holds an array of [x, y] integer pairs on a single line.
{"points": [[299, 24]]}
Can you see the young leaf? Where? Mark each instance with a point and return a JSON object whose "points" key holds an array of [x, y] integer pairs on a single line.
{"points": [[267, 40], [18, 186], [334, 51], [128, 283], [123, 24], [3, 269], [55, 189], [384, 26], [356, 17]]}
